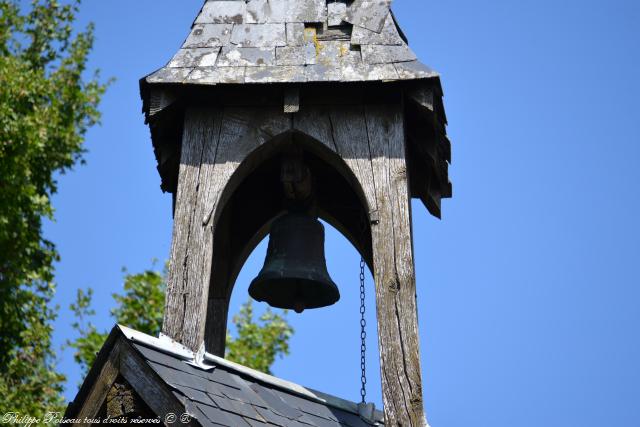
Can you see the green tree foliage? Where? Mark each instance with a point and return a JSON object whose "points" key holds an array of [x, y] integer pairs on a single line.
{"points": [[258, 344], [46, 107], [253, 344], [29, 383]]}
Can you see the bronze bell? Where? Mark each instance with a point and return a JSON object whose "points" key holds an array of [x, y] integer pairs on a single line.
{"points": [[294, 275]]}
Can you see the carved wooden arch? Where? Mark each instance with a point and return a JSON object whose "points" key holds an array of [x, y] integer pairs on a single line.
{"points": [[370, 140], [252, 199], [321, 152]]}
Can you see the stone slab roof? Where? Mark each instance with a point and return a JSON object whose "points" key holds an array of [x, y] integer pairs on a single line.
{"points": [[293, 41], [217, 392]]}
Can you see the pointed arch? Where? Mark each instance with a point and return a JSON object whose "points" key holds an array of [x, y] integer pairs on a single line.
{"points": [[251, 201]]}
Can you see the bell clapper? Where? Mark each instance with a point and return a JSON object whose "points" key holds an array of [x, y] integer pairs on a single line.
{"points": [[299, 306]]}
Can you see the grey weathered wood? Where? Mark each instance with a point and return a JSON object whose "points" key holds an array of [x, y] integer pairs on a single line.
{"points": [[371, 142], [243, 130], [349, 129], [316, 123], [159, 100], [214, 145], [219, 287], [217, 317], [199, 240], [373, 148], [423, 96], [98, 393], [394, 271], [148, 385], [292, 100], [186, 284], [124, 402], [342, 129]]}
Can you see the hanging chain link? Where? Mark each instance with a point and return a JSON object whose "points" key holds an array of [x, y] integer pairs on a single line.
{"points": [[363, 336]]}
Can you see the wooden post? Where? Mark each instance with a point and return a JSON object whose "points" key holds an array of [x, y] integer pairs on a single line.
{"points": [[189, 268], [371, 141], [394, 271]]}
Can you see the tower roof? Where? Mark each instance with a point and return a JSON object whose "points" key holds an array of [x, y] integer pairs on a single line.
{"points": [[311, 52], [292, 41]]}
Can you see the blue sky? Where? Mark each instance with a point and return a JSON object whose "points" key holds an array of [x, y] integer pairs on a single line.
{"points": [[529, 289]]}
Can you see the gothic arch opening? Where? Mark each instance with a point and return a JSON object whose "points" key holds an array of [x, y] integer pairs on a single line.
{"points": [[254, 197]]}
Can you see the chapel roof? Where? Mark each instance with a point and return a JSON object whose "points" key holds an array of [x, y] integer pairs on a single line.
{"points": [[214, 391]]}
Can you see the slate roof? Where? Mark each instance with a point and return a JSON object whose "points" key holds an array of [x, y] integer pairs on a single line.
{"points": [[293, 41], [217, 392]]}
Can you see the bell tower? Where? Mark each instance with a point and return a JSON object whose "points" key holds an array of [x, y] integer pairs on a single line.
{"points": [[275, 113]]}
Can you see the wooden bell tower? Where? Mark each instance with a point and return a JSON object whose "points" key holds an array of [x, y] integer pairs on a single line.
{"points": [[337, 81]]}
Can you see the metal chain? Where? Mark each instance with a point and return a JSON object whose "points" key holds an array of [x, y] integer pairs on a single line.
{"points": [[363, 336]]}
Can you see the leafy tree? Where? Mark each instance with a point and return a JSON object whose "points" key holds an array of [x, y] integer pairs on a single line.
{"points": [[257, 345], [141, 307], [46, 107]]}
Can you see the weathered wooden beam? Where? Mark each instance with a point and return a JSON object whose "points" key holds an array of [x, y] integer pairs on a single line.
{"points": [[394, 271], [343, 130], [123, 402], [219, 293], [215, 143], [350, 135], [188, 279], [104, 380], [152, 389]]}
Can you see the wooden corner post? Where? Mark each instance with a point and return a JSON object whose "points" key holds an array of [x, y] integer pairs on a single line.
{"points": [[215, 143], [394, 271]]}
